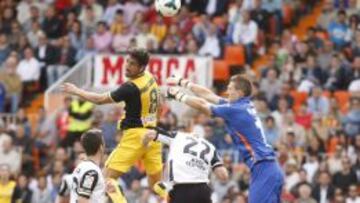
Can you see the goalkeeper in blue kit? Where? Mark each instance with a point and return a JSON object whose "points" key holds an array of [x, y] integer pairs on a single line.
{"points": [[245, 128]]}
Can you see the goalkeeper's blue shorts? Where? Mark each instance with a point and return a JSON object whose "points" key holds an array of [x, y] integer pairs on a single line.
{"points": [[266, 182]]}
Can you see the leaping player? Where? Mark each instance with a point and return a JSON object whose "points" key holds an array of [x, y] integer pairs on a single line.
{"points": [[141, 96], [245, 128]]}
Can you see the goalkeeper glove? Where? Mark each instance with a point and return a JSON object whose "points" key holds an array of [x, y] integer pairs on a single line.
{"points": [[177, 81], [176, 94]]}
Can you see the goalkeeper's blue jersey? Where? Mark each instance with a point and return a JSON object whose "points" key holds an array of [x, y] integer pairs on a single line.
{"points": [[245, 128]]}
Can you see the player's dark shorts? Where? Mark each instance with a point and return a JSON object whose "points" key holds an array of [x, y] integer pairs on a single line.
{"points": [[190, 193]]}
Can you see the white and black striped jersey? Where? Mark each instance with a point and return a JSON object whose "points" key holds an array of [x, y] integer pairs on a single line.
{"points": [[65, 186], [191, 158], [88, 182]]}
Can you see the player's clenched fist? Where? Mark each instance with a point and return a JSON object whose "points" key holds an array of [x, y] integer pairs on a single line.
{"points": [[177, 81]]}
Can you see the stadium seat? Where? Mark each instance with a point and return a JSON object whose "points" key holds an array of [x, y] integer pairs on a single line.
{"points": [[235, 55], [342, 98], [299, 99], [221, 70], [288, 14]]}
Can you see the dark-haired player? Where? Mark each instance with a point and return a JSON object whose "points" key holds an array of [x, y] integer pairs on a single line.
{"points": [[141, 96], [190, 162], [246, 131], [88, 184]]}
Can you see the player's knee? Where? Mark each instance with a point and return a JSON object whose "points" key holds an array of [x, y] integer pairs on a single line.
{"points": [[110, 173], [154, 178]]}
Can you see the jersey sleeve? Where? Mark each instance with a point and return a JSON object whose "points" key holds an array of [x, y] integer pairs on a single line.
{"points": [[64, 187], [216, 160], [220, 110], [164, 136], [87, 183], [124, 92]]}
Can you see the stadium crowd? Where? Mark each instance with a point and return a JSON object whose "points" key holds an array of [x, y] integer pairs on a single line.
{"points": [[318, 140]]}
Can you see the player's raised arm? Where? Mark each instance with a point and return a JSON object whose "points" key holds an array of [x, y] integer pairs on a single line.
{"points": [[96, 98], [198, 90], [194, 102], [158, 134]]}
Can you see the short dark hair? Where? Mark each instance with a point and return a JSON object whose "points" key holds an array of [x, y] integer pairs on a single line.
{"points": [[243, 84], [140, 55], [342, 12], [91, 141]]}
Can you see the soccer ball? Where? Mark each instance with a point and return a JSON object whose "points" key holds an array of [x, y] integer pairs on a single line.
{"points": [[167, 8]]}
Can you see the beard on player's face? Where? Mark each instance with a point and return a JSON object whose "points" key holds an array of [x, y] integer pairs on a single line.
{"points": [[132, 69]]}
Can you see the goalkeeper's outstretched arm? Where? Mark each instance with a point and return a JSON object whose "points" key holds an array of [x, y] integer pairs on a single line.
{"points": [[198, 90], [192, 101], [96, 98]]}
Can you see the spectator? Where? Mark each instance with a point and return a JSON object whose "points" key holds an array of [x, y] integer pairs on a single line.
{"points": [[109, 128], [46, 130], [29, 72], [12, 82], [7, 19], [134, 193], [33, 34], [112, 11], [356, 44], [305, 194], [353, 194], [317, 103], [88, 21], [47, 55], [217, 8], [311, 70], [245, 32], [144, 36], [283, 94], [323, 191], [346, 177], [280, 112], [9, 155], [159, 28], [102, 38], [35, 17], [23, 188], [270, 85], [2, 97], [313, 40], [260, 16], [130, 8], [41, 194], [352, 119], [339, 30], [325, 55], [274, 8], [25, 145], [74, 7], [93, 9], [52, 24], [118, 24], [338, 75], [77, 36], [355, 71], [211, 46], [292, 176], [16, 34], [7, 187], [354, 86], [271, 131], [121, 41], [4, 48], [327, 16], [87, 50]]}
